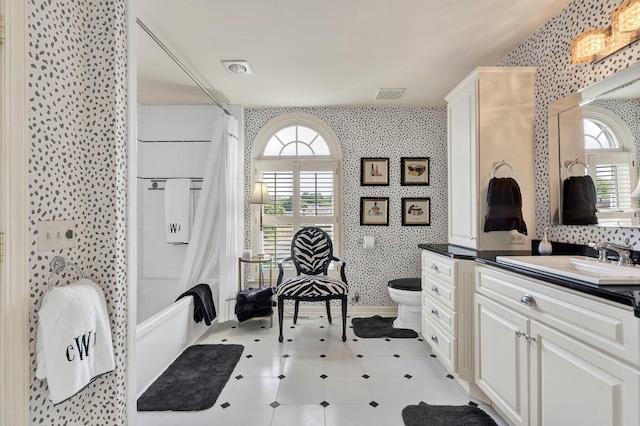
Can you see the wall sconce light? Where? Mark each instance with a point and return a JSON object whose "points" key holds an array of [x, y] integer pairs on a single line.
{"points": [[596, 44]]}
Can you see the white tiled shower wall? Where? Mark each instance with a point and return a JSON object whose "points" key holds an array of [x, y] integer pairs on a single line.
{"points": [[173, 142]]}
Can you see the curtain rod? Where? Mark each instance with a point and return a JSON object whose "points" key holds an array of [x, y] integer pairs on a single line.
{"points": [[177, 61]]}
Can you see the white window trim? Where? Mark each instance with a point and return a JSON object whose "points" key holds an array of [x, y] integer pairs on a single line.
{"points": [[618, 127], [625, 153], [330, 137]]}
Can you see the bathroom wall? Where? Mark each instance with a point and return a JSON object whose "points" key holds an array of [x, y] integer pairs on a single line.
{"points": [[377, 132], [77, 54], [549, 49], [173, 142]]}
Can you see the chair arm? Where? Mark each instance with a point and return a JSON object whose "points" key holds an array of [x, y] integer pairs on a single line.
{"points": [[343, 265], [281, 268]]}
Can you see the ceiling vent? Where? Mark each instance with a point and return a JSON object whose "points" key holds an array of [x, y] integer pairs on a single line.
{"points": [[389, 94]]}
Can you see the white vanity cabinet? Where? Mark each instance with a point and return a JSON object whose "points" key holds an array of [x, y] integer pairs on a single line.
{"points": [[551, 356], [447, 315], [490, 118]]}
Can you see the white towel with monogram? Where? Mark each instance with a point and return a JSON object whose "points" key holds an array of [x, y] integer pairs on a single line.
{"points": [[73, 338], [177, 210]]}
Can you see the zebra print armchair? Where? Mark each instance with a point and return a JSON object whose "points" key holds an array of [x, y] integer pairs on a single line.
{"points": [[311, 253]]}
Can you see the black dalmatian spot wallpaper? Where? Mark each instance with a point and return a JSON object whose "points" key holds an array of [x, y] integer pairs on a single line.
{"points": [[77, 53], [549, 49], [377, 132]]}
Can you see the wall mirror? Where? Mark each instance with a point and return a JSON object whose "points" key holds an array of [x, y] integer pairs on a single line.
{"points": [[596, 133]]}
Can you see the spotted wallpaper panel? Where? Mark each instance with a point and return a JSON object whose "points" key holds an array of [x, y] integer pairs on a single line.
{"points": [[549, 49], [78, 171], [377, 132]]}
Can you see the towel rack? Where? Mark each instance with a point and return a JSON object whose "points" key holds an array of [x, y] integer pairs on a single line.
{"points": [[59, 264], [569, 164], [499, 164], [156, 187]]}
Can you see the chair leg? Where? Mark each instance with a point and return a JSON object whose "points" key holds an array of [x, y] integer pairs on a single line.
{"points": [[280, 315], [295, 312], [328, 302], [344, 317]]}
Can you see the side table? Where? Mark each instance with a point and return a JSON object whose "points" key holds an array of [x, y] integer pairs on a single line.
{"points": [[260, 261]]}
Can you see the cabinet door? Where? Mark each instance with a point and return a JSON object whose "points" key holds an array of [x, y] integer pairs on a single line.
{"points": [[463, 222], [501, 358], [574, 384]]}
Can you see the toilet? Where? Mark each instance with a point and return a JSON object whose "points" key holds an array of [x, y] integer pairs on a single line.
{"points": [[406, 292]]}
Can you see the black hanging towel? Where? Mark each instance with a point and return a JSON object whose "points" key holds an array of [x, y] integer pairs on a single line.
{"points": [[504, 211], [203, 303], [579, 201]]}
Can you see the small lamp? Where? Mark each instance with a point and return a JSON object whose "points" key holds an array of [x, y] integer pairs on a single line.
{"points": [[260, 196]]}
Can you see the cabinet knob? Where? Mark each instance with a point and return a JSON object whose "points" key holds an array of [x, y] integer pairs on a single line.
{"points": [[434, 288], [434, 311], [434, 338], [519, 333], [528, 300], [434, 267]]}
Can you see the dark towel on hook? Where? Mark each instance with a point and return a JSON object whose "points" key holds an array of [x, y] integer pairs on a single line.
{"points": [[504, 211], [203, 306], [579, 201]]}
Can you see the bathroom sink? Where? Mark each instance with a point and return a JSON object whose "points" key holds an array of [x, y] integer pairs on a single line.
{"points": [[577, 267]]}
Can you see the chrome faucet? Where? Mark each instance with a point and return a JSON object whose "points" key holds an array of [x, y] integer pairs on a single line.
{"points": [[624, 255], [602, 252]]}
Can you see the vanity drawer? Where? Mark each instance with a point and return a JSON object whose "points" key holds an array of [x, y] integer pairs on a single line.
{"points": [[443, 345], [442, 315], [439, 266], [439, 290], [600, 323]]}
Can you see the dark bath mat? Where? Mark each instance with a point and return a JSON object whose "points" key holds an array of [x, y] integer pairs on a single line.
{"points": [[445, 415], [377, 326], [193, 381]]}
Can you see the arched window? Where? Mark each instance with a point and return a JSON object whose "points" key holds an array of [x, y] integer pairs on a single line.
{"points": [[298, 156], [609, 151]]}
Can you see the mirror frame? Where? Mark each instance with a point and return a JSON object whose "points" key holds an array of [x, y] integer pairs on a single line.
{"points": [[584, 96]]}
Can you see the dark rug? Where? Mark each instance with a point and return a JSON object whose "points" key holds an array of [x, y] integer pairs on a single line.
{"points": [[193, 381], [377, 326], [445, 415]]}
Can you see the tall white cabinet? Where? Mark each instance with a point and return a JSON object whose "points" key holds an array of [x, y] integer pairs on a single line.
{"points": [[490, 119]]}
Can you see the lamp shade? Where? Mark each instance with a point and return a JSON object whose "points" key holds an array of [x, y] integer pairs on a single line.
{"points": [[260, 194]]}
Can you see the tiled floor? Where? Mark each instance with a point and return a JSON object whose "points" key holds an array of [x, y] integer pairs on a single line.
{"points": [[315, 379]]}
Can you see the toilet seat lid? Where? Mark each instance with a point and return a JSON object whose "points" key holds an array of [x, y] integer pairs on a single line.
{"points": [[411, 284]]}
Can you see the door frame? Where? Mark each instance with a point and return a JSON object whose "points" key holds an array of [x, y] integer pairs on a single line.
{"points": [[14, 181]]}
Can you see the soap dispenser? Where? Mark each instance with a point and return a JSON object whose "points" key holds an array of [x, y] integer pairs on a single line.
{"points": [[544, 248]]}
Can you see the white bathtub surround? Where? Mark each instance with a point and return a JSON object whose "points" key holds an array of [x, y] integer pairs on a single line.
{"points": [[177, 210], [163, 336], [173, 142], [218, 232]]}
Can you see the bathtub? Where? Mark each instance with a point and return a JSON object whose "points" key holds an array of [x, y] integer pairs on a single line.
{"points": [[165, 328]]}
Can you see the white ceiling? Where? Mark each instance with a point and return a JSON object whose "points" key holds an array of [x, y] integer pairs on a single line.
{"points": [[328, 52]]}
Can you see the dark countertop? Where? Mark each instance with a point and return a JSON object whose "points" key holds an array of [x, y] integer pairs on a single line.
{"points": [[457, 252], [625, 294]]}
